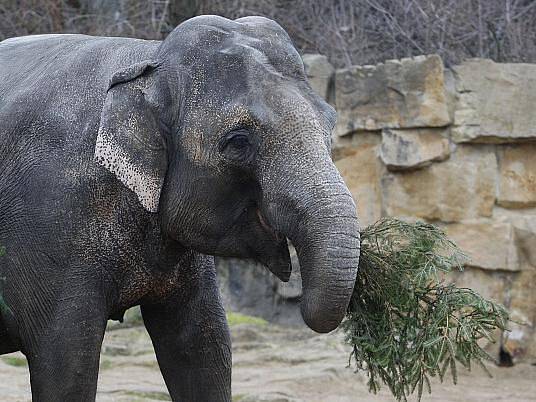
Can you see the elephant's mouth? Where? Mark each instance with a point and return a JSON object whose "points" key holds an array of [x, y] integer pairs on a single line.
{"points": [[277, 236], [276, 259]]}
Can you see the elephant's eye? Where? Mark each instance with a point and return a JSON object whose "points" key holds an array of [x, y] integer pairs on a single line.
{"points": [[237, 145], [239, 141]]}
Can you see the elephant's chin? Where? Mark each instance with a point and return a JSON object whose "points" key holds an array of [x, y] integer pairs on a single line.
{"points": [[279, 262], [273, 248]]}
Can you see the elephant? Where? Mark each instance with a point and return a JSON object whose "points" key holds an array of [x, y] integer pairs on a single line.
{"points": [[126, 165]]}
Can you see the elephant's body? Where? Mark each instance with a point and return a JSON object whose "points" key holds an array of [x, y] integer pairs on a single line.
{"points": [[123, 162], [52, 91], [80, 247]]}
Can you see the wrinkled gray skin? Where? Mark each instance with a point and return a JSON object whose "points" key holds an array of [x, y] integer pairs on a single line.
{"points": [[122, 160]]}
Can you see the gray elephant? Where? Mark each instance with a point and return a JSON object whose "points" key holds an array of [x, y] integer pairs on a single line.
{"points": [[123, 161]]}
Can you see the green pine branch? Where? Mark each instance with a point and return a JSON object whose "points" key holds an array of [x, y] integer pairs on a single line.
{"points": [[405, 325]]}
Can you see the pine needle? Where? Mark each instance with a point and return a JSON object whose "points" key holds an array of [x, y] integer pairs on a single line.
{"points": [[403, 323]]}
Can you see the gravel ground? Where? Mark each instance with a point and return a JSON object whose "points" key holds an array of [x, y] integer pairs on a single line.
{"points": [[271, 364]]}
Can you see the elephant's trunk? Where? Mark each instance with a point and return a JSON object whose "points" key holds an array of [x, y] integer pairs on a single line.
{"points": [[319, 217], [328, 262]]}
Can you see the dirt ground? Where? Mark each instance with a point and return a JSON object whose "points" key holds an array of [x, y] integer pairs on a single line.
{"points": [[271, 364]]}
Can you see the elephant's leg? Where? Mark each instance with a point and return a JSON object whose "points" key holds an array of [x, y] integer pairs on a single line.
{"points": [[7, 344], [9, 340], [192, 341], [64, 361]]}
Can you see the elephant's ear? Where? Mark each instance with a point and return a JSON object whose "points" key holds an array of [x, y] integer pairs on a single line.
{"points": [[130, 143]]}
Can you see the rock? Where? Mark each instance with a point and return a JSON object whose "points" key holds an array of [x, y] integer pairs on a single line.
{"points": [[450, 92], [462, 187], [319, 73], [361, 172], [246, 286], [521, 340], [524, 224], [346, 146], [492, 285], [514, 290], [519, 294], [251, 289], [131, 317], [495, 101], [520, 343], [517, 182], [489, 245], [413, 148], [526, 240], [395, 94]]}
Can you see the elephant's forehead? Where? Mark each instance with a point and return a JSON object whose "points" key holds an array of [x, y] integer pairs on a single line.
{"points": [[239, 56], [260, 103], [269, 52], [244, 66], [251, 60], [206, 36], [250, 81]]}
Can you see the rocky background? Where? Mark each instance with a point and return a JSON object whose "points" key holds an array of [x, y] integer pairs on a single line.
{"points": [[455, 147]]}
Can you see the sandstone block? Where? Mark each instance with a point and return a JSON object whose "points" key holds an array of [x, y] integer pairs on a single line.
{"points": [[521, 340], [526, 240], [361, 172], [517, 183], [396, 94], [462, 187], [519, 293], [346, 146], [495, 101], [412, 148], [524, 224], [319, 73], [489, 245], [492, 285]]}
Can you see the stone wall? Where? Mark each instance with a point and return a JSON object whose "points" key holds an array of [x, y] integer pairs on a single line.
{"points": [[456, 147]]}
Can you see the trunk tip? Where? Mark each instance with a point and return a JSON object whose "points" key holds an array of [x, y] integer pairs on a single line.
{"points": [[319, 322]]}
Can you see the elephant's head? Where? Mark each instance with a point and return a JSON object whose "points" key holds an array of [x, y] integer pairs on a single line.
{"points": [[221, 134]]}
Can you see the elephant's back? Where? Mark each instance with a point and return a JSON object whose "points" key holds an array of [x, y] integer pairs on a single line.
{"points": [[26, 61], [52, 88], [63, 73]]}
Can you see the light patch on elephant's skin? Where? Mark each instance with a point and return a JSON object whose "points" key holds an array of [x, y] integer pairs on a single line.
{"points": [[147, 187], [236, 116]]}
